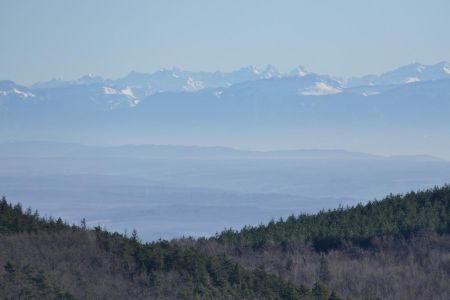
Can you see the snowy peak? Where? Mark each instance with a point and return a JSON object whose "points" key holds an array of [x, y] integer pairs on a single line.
{"points": [[442, 68], [193, 85], [270, 72], [242, 74], [288, 87], [254, 70], [321, 89], [127, 92], [446, 67], [300, 71], [9, 88], [406, 74], [89, 79]]}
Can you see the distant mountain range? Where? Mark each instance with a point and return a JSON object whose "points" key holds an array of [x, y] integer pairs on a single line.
{"points": [[183, 107], [406, 74], [176, 80], [45, 149], [135, 87]]}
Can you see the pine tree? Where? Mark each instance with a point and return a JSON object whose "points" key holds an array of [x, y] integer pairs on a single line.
{"points": [[83, 224], [320, 292], [134, 236]]}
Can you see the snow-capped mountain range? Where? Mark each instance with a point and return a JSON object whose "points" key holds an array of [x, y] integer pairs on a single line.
{"points": [[176, 80], [180, 107], [134, 87]]}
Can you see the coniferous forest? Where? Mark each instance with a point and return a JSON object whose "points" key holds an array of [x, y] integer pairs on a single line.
{"points": [[395, 248]]}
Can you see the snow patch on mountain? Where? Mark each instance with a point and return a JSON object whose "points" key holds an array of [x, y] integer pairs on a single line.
{"points": [[23, 94], [447, 69], [109, 91], [320, 89], [300, 71], [405, 74], [411, 79], [217, 93], [132, 99], [127, 92], [193, 85], [270, 72], [255, 70], [370, 93], [420, 68]]}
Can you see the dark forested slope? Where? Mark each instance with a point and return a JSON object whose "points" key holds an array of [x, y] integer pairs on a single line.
{"points": [[48, 259], [395, 215], [396, 248]]}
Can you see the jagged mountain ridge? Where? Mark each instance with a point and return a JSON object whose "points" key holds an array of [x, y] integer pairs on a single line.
{"points": [[131, 89], [302, 107], [406, 74]]}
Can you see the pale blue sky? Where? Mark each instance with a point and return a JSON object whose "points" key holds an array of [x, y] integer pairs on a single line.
{"points": [[66, 39]]}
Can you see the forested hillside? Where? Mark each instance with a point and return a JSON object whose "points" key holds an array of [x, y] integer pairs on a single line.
{"points": [[48, 259], [395, 215], [396, 248]]}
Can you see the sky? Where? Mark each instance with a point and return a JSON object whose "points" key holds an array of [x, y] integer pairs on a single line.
{"points": [[45, 39]]}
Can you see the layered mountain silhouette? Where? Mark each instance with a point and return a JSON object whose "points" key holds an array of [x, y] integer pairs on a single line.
{"points": [[170, 105]]}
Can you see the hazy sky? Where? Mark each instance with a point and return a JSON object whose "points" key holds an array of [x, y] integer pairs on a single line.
{"points": [[66, 39]]}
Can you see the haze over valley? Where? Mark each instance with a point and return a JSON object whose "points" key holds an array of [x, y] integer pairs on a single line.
{"points": [[171, 191]]}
